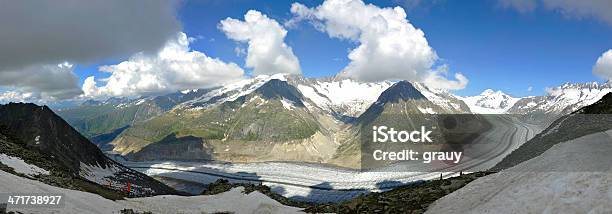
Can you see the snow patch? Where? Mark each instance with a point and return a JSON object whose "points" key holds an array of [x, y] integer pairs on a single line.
{"points": [[426, 110], [571, 177], [99, 175], [84, 202], [21, 166], [233, 201], [287, 104], [441, 98]]}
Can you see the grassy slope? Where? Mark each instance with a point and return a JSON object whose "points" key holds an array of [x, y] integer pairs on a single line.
{"points": [[239, 120]]}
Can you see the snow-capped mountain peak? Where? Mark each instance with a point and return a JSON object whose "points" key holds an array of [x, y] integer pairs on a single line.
{"points": [[443, 99], [490, 102], [344, 97], [563, 99]]}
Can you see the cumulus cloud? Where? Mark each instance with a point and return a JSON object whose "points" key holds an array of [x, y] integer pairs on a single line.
{"points": [[267, 52], [37, 35], [175, 67], [49, 32], [603, 66], [438, 79], [389, 46], [598, 9], [48, 82]]}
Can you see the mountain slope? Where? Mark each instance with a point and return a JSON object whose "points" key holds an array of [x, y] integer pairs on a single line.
{"points": [[272, 117], [401, 106], [587, 120], [96, 118], [38, 136], [401, 99], [570, 177], [41, 130], [77, 202], [444, 99]]}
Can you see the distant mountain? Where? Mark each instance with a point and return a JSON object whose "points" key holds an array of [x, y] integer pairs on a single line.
{"points": [[401, 99], [286, 112], [586, 120], [561, 100], [490, 102], [558, 101], [444, 99], [292, 111], [101, 121], [400, 106], [275, 114], [227, 92], [345, 99], [37, 135]]}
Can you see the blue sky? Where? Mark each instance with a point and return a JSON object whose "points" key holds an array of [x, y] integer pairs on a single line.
{"points": [[508, 45], [494, 46]]}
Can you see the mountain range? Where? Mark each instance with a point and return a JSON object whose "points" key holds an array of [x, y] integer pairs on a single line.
{"points": [[266, 118], [292, 117]]}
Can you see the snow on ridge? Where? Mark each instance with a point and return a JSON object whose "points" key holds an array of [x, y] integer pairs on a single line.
{"points": [[575, 96], [490, 102], [345, 96], [564, 99], [21, 166], [230, 92], [440, 97], [281, 77]]}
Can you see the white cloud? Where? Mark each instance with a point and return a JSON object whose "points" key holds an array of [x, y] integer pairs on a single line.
{"points": [[603, 66], [389, 46], [174, 68], [16, 96], [438, 79], [598, 9], [40, 82], [435, 80], [530, 88], [267, 52]]}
